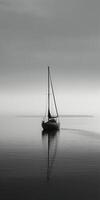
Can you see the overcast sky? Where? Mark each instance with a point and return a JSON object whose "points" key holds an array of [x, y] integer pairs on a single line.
{"points": [[64, 34]]}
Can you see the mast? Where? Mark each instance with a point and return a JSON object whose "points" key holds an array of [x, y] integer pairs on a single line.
{"points": [[53, 95], [50, 84], [48, 92]]}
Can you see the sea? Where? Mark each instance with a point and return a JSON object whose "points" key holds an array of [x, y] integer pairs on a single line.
{"points": [[36, 165]]}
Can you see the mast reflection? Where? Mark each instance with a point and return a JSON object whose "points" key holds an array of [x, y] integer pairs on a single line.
{"points": [[51, 138]]}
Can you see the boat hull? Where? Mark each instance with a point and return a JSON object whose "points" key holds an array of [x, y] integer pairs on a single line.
{"points": [[50, 125]]}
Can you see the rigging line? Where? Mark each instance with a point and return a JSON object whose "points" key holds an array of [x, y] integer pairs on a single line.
{"points": [[53, 95]]}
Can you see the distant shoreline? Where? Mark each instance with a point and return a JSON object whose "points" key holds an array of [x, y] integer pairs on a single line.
{"points": [[76, 116], [63, 116]]}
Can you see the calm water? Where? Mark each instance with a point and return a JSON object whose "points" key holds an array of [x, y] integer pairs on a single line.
{"points": [[63, 165]]}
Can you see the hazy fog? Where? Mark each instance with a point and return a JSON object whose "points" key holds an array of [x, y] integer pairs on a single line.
{"points": [[63, 34]]}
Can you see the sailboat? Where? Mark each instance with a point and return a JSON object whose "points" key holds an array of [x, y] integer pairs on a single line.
{"points": [[52, 122]]}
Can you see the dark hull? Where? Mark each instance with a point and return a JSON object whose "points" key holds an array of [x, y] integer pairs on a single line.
{"points": [[50, 126]]}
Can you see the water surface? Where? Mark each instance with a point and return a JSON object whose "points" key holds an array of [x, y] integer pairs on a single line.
{"points": [[63, 165]]}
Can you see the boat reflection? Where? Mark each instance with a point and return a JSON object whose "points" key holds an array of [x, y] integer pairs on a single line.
{"points": [[51, 137]]}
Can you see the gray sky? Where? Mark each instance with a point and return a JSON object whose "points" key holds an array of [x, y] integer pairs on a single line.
{"points": [[37, 33]]}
